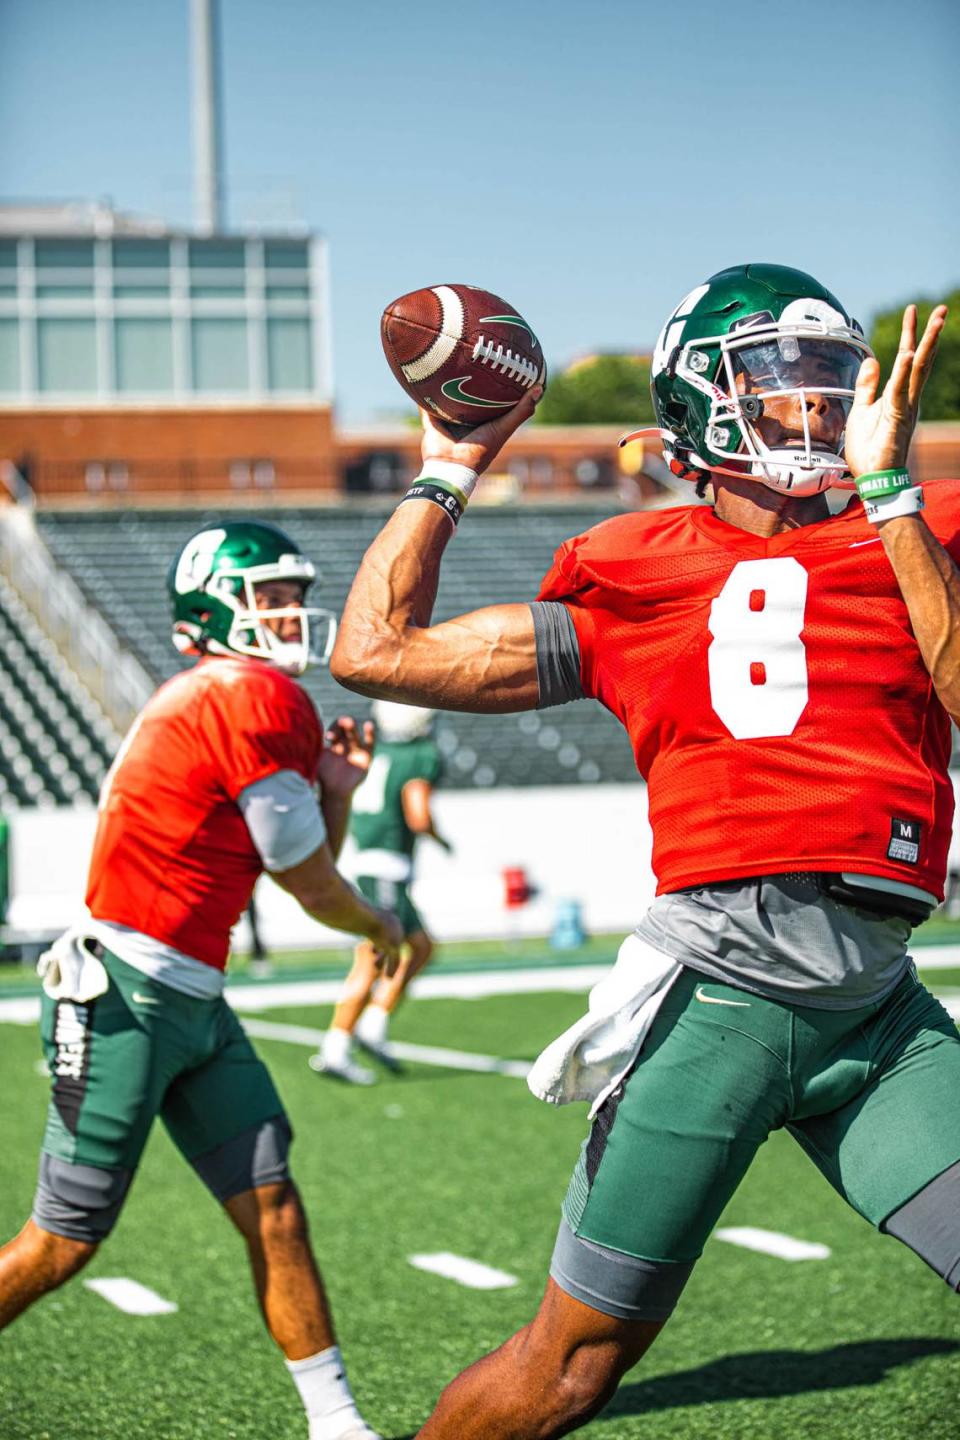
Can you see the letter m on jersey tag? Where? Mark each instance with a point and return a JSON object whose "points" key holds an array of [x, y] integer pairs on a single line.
{"points": [[904, 841]]}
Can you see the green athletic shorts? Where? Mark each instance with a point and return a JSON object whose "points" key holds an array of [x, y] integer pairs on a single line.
{"points": [[392, 895], [143, 1050], [872, 1095]]}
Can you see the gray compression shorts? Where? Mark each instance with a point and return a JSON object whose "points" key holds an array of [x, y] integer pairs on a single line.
{"points": [[82, 1202]]}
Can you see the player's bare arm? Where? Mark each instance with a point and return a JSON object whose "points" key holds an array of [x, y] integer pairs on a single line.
{"points": [[322, 891], [879, 431], [482, 661]]}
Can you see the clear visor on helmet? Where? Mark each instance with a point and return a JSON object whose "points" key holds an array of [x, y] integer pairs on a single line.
{"points": [[792, 362]]}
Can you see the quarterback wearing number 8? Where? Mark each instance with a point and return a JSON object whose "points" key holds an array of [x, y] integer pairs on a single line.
{"points": [[786, 670]]}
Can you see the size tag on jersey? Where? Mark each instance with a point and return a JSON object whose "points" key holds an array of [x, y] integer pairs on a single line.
{"points": [[904, 841]]}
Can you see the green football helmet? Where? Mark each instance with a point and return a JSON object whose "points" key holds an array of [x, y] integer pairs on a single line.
{"points": [[212, 584], [749, 334]]}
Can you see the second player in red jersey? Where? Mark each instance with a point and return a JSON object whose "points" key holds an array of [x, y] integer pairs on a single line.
{"points": [[206, 735]]}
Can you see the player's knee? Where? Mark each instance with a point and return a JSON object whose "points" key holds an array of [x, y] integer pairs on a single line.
{"points": [[55, 1259]]}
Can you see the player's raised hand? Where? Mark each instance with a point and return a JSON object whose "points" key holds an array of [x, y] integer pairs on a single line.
{"points": [[880, 427], [480, 447], [346, 756]]}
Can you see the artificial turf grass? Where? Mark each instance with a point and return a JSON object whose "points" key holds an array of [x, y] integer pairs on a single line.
{"points": [[865, 1344]]}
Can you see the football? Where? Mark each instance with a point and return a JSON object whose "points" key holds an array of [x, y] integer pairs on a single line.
{"points": [[461, 353]]}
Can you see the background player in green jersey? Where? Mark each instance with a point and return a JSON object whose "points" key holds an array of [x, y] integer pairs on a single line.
{"points": [[391, 811]]}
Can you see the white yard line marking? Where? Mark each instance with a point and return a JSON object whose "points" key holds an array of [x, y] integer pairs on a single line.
{"points": [[424, 1054], [470, 986], [936, 957], [465, 1272], [770, 1242], [131, 1297]]}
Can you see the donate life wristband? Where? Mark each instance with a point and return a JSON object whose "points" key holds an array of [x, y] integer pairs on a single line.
{"points": [[888, 494]]}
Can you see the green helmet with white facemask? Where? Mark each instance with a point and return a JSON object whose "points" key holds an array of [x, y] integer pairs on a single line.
{"points": [[213, 583], [749, 335]]}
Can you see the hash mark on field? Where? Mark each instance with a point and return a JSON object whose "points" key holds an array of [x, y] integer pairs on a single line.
{"points": [[465, 1272], [771, 1242], [131, 1297]]}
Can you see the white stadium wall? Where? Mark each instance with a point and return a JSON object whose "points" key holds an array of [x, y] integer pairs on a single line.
{"points": [[585, 843]]}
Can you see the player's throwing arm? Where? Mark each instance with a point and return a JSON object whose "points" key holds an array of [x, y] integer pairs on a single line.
{"points": [[386, 646]]}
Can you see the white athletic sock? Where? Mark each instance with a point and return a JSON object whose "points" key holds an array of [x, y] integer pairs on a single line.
{"points": [[331, 1409], [337, 1045], [372, 1025]]}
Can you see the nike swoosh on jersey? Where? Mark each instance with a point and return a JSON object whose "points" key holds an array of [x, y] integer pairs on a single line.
{"points": [[713, 1000], [139, 999], [855, 545]]}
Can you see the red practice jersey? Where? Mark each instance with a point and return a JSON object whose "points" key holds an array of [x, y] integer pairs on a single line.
{"points": [[772, 690], [172, 856]]}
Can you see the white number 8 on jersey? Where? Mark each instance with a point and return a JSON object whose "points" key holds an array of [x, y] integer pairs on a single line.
{"points": [[757, 661]]}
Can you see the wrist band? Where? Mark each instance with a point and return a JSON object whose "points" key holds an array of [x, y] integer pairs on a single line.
{"points": [[908, 501], [460, 477], [448, 502], [879, 483]]}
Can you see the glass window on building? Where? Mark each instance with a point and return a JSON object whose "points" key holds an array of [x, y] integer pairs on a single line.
{"points": [[67, 354], [144, 354], [289, 361], [9, 357], [141, 269], [217, 269], [64, 269], [287, 267], [219, 347], [8, 269]]}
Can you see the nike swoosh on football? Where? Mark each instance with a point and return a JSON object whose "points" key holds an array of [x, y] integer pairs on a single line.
{"points": [[453, 389], [143, 999], [509, 320], [855, 545], [712, 1000]]}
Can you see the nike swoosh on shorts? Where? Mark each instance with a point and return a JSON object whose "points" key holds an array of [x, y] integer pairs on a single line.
{"points": [[713, 1000], [144, 999]]}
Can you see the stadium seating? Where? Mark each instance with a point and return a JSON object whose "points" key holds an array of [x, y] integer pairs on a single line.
{"points": [[120, 562], [55, 742]]}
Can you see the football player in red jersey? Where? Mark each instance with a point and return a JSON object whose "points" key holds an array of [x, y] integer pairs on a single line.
{"points": [[214, 784], [787, 676]]}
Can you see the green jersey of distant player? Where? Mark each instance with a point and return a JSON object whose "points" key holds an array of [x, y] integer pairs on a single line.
{"points": [[378, 821]]}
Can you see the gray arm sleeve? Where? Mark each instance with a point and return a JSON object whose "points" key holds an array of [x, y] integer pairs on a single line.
{"points": [[558, 654], [283, 816]]}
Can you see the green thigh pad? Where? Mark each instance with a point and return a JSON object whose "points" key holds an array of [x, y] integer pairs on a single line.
{"points": [[142, 1050], [899, 1130], [865, 1091], [391, 895]]}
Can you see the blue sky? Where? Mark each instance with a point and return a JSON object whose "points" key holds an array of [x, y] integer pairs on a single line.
{"points": [[589, 161]]}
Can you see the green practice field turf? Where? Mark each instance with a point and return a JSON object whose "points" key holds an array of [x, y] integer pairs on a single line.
{"points": [[863, 1345]]}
